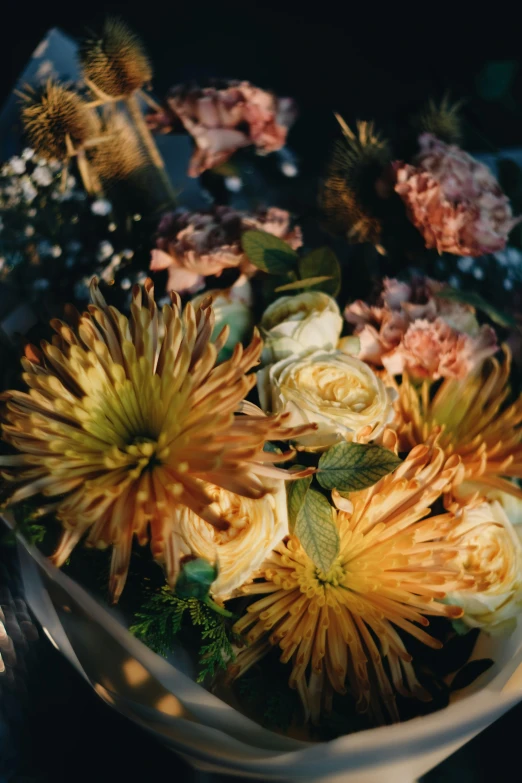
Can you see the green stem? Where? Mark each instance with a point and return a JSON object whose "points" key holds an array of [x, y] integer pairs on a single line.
{"points": [[216, 607]]}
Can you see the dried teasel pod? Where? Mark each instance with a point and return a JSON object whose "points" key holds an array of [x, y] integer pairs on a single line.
{"points": [[351, 187], [53, 115], [119, 154], [441, 119], [114, 61]]}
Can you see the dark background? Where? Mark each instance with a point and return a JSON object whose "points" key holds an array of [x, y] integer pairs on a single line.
{"points": [[365, 62]]}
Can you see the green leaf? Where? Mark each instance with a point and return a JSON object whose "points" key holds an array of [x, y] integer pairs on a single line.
{"points": [[470, 672], [349, 467], [296, 494], [308, 283], [316, 530], [195, 579], [322, 262], [496, 78], [477, 301], [268, 253]]}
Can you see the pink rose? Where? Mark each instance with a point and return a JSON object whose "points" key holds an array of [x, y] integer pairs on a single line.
{"points": [[455, 202]]}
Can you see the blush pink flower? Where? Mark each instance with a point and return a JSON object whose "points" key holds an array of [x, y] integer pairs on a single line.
{"points": [[454, 200], [433, 350], [226, 118], [412, 329], [194, 245]]}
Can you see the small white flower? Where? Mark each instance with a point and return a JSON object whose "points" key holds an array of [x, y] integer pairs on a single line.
{"points": [[27, 154], [101, 207], [508, 285], [465, 263], [289, 169], [141, 278], [31, 212], [126, 284], [127, 253], [478, 273], [105, 250], [29, 191], [42, 175], [17, 165], [234, 184], [56, 251], [136, 217], [112, 226], [71, 181], [29, 231]]}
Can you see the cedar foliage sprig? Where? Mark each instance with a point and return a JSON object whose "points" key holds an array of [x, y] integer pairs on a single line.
{"points": [[162, 617]]}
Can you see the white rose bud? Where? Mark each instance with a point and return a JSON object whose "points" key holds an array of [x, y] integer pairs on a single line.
{"points": [[492, 553], [294, 324], [338, 392]]}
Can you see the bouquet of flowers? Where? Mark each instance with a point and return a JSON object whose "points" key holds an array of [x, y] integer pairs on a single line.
{"points": [[300, 469]]}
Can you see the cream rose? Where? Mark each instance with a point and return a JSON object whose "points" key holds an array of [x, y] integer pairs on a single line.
{"points": [[293, 324], [332, 389], [491, 552], [256, 526]]}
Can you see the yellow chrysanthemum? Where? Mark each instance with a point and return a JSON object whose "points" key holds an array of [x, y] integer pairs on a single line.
{"points": [[394, 567], [475, 420], [122, 427]]}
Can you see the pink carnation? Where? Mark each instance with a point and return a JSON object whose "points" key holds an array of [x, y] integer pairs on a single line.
{"points": [[455, 202], [433, 350], [223, 120], [194, 245], [412, 329]]}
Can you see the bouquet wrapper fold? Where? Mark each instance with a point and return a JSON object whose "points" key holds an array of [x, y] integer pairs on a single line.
{"points": [[213, 736]]}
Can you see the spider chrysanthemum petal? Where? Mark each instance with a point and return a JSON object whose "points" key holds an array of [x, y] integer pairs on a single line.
{"points": [[122, 426], [339, 630]]}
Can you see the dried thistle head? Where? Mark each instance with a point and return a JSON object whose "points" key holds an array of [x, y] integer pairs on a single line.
{"points": [[115, 61], [119, 154], [442, 120], [54, 113], [350, 189]]}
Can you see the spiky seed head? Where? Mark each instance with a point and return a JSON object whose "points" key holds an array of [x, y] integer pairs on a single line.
{"points": [[115, 61], [349, 191], [54, 113], [119, 154], [442, 120]]}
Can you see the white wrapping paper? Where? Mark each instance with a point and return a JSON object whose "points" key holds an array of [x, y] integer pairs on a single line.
{"points": [[214, 737]]}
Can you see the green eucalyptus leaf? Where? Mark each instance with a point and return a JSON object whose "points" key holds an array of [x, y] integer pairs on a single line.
{"points": [[349, 467], [195, 579], [296, 493], [316, 530], [322, 262], [479, 303], [470, 672], [268, 253], [308, 283]]}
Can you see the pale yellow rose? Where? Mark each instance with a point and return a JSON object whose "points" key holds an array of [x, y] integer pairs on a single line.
{"points": [[256, 526], [491, 552], [338, 392], [293, 324]]}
